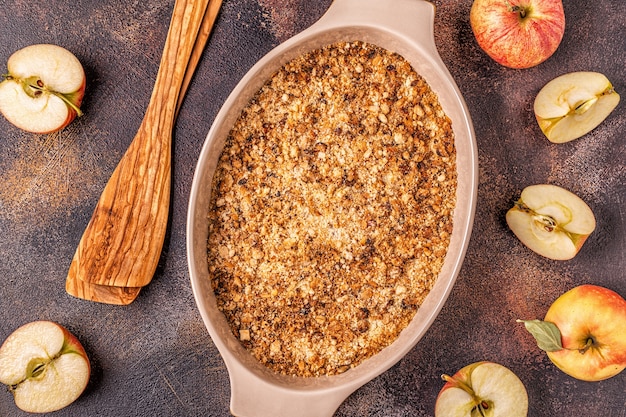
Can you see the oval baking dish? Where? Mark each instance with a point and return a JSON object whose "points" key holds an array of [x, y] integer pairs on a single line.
{"points": [[402, 26]]}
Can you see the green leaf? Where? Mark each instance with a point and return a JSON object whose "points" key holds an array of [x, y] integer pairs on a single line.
{"points": [[546, 334]]}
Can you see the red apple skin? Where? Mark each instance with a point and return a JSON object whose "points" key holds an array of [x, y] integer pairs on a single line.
{"points": [[74, 345], [77, 99], [590, 313], [513, 41]]}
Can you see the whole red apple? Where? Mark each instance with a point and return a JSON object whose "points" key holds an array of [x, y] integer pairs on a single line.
{"points": [[518, 33], [592, 322], [584, 332]]}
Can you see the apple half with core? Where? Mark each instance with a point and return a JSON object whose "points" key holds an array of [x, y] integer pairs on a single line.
{"points": [[551, 221], [44, 366], [43, 89], [574, 104], [584, 332], [518, 33], [482, 389]]}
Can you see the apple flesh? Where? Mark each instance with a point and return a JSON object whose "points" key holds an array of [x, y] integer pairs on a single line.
{"points": [[43, 89], [573, 104], [551, 221], [518, 33], [482, 389], [44, 366]]}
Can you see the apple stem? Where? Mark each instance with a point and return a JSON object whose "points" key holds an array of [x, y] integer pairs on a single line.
{"points": [[521, 11], [480, 404], [459, 384], [582, 107], [588, 344]]}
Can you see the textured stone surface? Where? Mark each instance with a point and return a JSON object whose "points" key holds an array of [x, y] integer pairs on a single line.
{"points": [[154, 357]]}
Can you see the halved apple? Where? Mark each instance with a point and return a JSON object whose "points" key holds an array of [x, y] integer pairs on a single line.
{"points": [[44, 366], [43, 89], [482, 389], [573, 104], [551, 221]]}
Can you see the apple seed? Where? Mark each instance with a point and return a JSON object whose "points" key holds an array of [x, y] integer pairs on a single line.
{"points": [[547, 222]]}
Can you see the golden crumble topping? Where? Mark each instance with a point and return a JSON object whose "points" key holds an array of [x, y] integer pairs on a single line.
{"points": [[331, 209]]}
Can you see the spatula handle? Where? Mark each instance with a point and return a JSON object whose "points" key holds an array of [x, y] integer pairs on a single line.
{"points": [[187, 18], [206, 26]]}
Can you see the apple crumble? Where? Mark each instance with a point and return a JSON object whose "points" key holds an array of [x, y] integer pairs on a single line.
{"points": [[331, 209]]}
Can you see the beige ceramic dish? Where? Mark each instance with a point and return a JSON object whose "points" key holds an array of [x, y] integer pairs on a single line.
{"points": [[403, 26]]}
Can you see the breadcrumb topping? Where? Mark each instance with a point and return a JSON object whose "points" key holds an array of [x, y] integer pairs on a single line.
{"points": [[331, 209]]}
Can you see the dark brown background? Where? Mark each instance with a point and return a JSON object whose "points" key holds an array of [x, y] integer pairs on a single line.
{"points": [[154, 357]]}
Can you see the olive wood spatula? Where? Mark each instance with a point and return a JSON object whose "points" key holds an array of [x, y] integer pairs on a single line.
{"points": [[126, 295], [121, 246]]}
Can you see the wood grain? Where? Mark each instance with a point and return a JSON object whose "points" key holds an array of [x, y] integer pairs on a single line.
{"points": [[122, 243], [106, 294], [206, 26], [125, 295]]}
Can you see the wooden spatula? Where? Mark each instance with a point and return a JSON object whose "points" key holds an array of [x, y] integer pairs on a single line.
{"points": [[120, 248]]}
